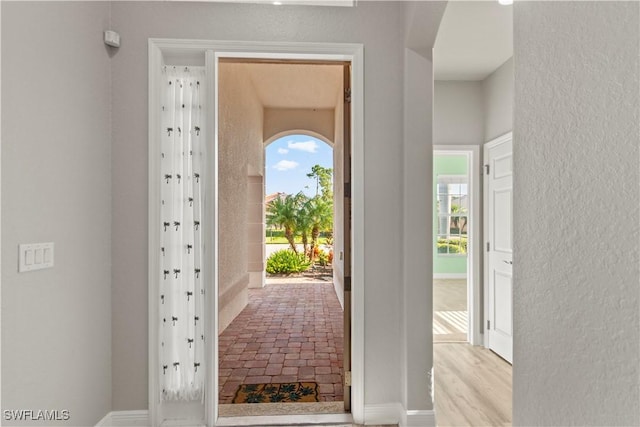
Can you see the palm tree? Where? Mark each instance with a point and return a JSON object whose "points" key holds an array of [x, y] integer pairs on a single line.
{"points": [[282, 212], [303, 222], [323, 177], [321, 216], [459, 222]]}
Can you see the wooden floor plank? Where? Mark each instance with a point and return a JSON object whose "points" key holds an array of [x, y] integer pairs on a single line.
{"points": [[472, 386], [449, 301], [449, 294]]}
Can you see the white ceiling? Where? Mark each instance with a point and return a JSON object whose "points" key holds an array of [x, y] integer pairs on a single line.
{"points": [[474, 39], [296, 85]]}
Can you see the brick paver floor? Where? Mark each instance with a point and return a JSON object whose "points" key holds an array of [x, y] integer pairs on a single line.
{"points": [[288, 332]]}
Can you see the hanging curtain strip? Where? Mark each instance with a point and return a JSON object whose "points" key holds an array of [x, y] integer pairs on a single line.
{"points": [[181, 320]]}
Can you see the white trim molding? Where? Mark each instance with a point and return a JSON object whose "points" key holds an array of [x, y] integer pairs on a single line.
{"points": [[449, 275], [386, 413], [334, 3], [211, 51], [383, 413], [424, 418], [475, 256], [125, 419], [105, 421], [282, 420], [1, 421], [394, 413]]}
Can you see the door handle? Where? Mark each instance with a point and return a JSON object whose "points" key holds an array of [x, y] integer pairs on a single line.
{"points": [[507, 262]]}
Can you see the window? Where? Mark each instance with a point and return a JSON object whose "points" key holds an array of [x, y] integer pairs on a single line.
{"points": [[453, 210]]}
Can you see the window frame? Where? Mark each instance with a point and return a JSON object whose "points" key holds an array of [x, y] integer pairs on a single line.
{"points": [[451, 179]]}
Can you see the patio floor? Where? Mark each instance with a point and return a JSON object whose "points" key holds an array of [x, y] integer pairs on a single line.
{"points": [[288, 332]]}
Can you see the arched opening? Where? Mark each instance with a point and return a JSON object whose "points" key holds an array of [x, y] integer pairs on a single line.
{"points": [[299, 174], [298, 132]]}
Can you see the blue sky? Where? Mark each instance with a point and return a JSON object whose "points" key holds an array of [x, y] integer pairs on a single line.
{"points": [[288, 160]]}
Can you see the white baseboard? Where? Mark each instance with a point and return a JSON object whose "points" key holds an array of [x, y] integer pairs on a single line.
{"points": [[450, 275], [125, 419], [384, 413], [282, 420], [394, 413], [419, 419], [182, 423], [387, 413], [105, 421]]}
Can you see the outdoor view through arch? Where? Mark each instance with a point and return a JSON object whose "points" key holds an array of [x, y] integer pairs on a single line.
{"points": [[286, 345], [299, 203]]}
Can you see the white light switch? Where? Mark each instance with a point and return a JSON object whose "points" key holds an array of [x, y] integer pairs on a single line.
{"points": [[38, 256], [29, 257], [35, 256]]}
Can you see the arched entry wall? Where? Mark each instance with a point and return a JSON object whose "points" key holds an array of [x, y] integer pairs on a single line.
{"points": [[317, 122], [286, 133]]}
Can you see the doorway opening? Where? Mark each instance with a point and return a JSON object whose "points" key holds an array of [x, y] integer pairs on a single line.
{"points": [[451, 231], [179, 54], [283, 325], [458, 301]]}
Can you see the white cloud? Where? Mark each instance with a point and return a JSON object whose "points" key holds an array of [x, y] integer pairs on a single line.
{"points": [[282, 151], [285, 165], [308, 146]]}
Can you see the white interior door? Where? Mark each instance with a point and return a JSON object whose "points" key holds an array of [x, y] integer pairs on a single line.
{"points": [[499, 236]]}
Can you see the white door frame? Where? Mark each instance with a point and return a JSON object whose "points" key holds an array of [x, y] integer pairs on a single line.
{"points": [[474, 286], [485, 204], [0, 231], [212, 51]]}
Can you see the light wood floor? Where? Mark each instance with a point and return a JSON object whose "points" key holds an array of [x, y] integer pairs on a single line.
{"points": [[450, 310], [472, 386], [449, 294]]}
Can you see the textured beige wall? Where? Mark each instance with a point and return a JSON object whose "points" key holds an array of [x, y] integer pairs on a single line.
{"points": [[458, 116], [56, 187], [576, 305], [256, 231], [240, 151], [278, 120], [497, 95], [418, 251]]}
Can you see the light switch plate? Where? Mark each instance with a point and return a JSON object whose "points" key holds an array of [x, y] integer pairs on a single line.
{"points": [[35, 256]]}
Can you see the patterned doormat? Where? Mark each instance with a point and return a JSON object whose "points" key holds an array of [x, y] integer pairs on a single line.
{"points": [[273, 392]]}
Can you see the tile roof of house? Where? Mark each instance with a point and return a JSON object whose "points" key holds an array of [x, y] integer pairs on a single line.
{"points": [[271, 197]]}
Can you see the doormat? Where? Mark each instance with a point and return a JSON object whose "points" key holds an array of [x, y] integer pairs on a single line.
{"points": [[274, 392]]}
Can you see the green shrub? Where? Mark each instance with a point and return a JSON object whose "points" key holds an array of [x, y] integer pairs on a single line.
{"points": [[273, 232], [323, 258], [452, 246], [286, 261]]}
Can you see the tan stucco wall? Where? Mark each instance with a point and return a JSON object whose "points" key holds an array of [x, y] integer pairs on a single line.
{"points": [[240, 154], [317, 120], [256, 231]]}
